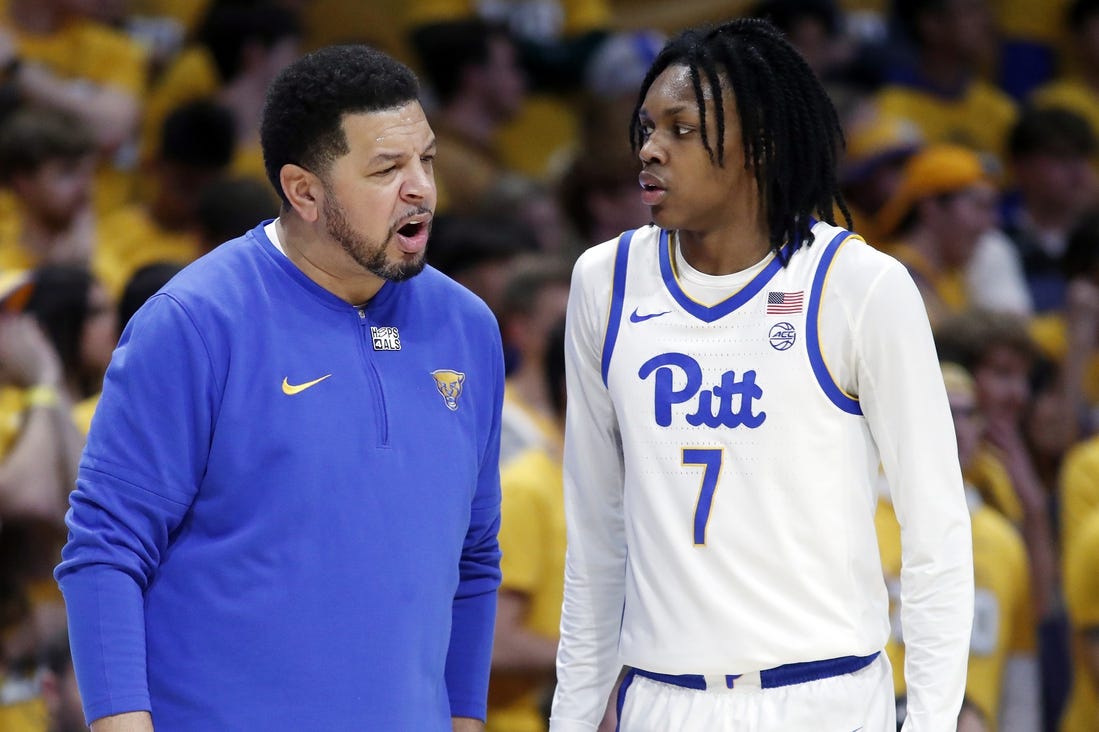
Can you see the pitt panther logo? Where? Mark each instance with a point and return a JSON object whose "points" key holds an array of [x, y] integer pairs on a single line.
{"points": [[449, 383], [728, 404]]}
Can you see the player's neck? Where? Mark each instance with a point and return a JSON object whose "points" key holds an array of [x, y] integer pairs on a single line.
{"points": [[724, 251]]}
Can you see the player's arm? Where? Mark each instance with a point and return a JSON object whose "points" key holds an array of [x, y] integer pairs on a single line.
{"points": [[593, 481], [902, 394], [128, 722], [145, 457], [474, 610]]}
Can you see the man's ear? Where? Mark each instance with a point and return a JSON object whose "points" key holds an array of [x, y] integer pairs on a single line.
{"points": [[303, 190]]}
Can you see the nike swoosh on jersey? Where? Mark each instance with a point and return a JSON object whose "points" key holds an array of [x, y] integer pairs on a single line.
{"points": [[292, 389], [636, 318]]}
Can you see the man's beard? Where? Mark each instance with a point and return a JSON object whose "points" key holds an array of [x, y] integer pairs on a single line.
{"points": [[371, 258]]}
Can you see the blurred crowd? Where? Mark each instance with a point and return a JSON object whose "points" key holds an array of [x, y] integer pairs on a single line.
{"points": [[129, 146]]}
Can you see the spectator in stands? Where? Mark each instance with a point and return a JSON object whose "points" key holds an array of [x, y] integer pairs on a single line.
{"points": [[238, 49], [472, 68], [534, 299], [1002, 683], [934, 222], [46, 162], [80, 320], [1082, 594], [942, 91], [196, 148], [1000, 354], [477, 251], [39, 444], [1078, 88], [55, 53], [532, 539], [226, 205], [1050, 154]]}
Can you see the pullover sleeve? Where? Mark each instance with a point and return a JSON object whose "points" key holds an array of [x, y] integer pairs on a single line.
{"points": [[144, 459], [595, 562], [474, 613], [903, 397]]}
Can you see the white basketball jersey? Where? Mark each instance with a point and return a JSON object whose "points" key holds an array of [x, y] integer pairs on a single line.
{"points": [[720, 483], [749, 475]]}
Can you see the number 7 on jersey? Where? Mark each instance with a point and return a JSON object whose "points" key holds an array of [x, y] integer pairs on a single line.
{"points": [[709, 458]]}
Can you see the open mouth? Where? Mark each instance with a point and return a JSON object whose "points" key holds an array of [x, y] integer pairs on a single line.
{"points": [[412, 229]]}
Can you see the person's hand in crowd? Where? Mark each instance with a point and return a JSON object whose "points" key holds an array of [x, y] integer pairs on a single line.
{"points": [[26, 357], [1007, 437]]}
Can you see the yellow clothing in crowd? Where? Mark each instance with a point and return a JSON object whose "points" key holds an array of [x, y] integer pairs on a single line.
{"points": [[129, 239], [29, 715], [1003, 624], [1081, 584], [100, 55], [987, 473], [944, 291], [979, 118], [1079, 488], [1073, 95], [532, 540]]}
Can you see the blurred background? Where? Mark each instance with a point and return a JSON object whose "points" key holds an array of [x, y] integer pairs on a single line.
{"points": [[129, 146]]}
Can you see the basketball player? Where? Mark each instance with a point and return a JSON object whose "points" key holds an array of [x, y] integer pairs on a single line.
{"points": [[737, 371]]}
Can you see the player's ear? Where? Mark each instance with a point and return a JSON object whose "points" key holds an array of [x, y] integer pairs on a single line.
{"points": [[303, 191]]}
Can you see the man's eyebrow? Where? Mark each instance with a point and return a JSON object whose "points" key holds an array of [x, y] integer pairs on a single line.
{"points": [[644, 115], [386, 158]]}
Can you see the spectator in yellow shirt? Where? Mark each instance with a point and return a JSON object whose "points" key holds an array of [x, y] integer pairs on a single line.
{"points": [[942, 91], [1082, 594], [197, 146], [532, 539], [46, 163]]}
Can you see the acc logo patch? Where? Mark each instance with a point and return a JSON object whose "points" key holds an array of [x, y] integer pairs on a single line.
{"points": [[449, 383], [782, 336]]}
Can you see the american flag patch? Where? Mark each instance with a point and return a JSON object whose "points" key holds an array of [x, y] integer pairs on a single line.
{"points": [[784, 303]]}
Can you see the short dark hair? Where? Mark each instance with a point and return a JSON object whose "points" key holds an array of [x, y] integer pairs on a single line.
{"points": [[909, 13], [786, 14], [228, 27], [33, 135], [199, 134], [1081, 257], [1051, 131], [553, 366], [529, 276], [790, 132], [462, 241], [447, 48], [60, 305], [142, 285], [1079, 13], [968, 337], [303, 113]]}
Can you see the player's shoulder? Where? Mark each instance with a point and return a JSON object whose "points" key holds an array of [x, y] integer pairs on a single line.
{"points": [[599, 260], [856, 265]]}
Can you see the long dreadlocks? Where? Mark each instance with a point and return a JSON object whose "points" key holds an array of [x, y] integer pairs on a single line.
{"points": [[789, 129]]}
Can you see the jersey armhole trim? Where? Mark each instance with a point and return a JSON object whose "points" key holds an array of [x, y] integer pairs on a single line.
{"points": [[827, 382], [618, 293]]}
